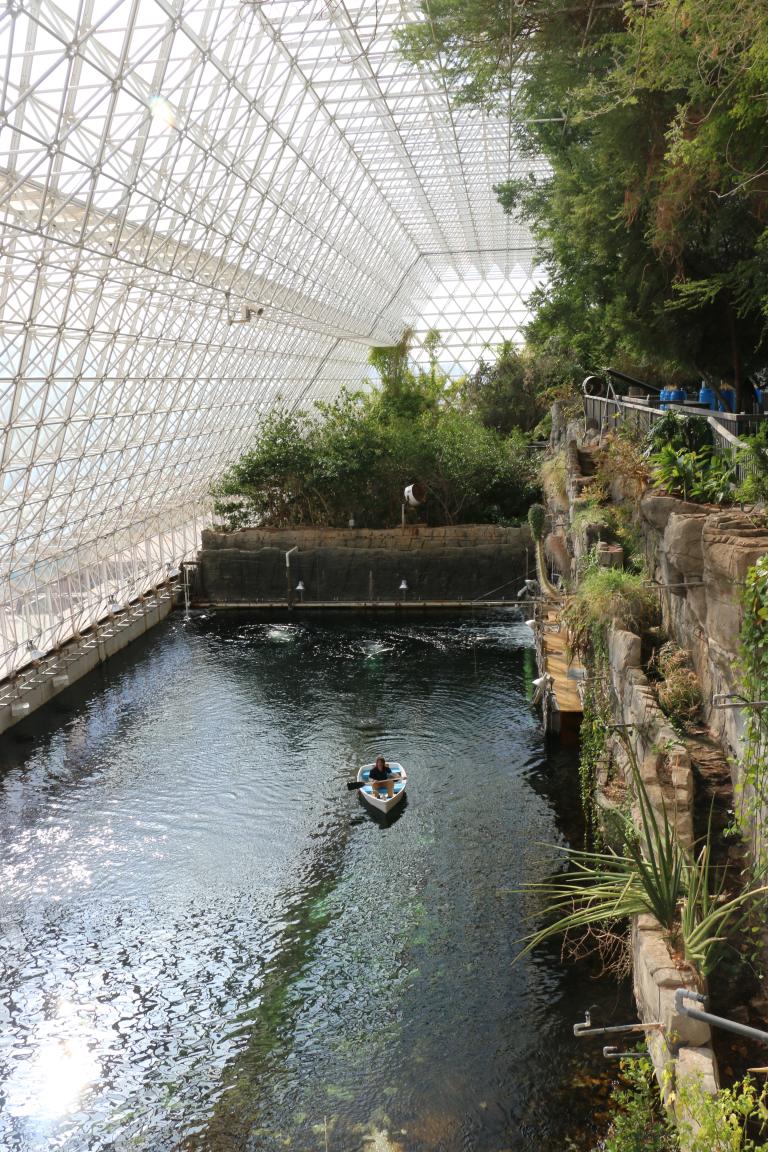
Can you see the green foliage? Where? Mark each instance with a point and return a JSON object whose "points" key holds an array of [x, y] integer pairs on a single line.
{"points": [[753, 458], [651, 215], [639, 1123], [516, 390], [592, 515], [537, 515], [606, 595], [754, 679], [733, 1120], [652, 872], [702, 477], [593, 736], [354, 456], [681, 432]]}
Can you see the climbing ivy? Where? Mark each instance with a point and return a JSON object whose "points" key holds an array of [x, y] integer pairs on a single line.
{"points": [[754, 676], [593, 736]]}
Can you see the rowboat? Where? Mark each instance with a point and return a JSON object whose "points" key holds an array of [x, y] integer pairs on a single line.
{"points": [[375, 793]]}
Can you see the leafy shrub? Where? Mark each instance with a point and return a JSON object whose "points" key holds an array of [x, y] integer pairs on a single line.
{"points": [[354, 456], [639, 1123], [733, 1120], [701, 476], [536, 519], [753, 459], [681, 432]]}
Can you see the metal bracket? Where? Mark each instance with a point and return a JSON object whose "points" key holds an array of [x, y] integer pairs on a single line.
{"points": [[734, 700], [612, 1053]]}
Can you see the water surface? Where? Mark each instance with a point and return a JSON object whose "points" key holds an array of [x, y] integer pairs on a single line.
{"points": [[210, 944]]}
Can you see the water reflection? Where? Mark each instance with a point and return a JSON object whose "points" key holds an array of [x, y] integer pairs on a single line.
{"points": [[221, 949]]}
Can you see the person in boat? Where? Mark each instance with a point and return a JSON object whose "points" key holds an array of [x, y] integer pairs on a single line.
{"points": [[381, 776]]}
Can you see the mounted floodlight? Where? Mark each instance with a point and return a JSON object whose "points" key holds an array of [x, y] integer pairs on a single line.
{"points": [[415, 494], [403, 585], [530, 623], [300, 586]]}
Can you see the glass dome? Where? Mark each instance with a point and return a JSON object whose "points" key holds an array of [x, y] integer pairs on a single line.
{"points": [[202, 213]]}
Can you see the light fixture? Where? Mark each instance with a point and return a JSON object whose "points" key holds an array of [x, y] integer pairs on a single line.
{"points": [[531, 623], [34, 652], [300, 589], [403, 585]]}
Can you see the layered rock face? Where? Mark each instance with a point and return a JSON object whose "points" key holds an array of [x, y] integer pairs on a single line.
{"points": [[462, 562], [700, 560]]}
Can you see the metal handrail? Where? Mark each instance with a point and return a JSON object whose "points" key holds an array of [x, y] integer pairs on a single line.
{"points": [[683, 994]]}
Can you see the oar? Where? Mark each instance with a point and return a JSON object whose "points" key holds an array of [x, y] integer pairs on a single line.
{"points": [[352, 784]]}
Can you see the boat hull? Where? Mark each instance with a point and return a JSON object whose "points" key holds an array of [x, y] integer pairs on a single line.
{"points": [[372, 796]]}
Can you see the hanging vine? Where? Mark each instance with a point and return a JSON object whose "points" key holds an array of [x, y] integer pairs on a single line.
{"points": [[754, 674]]}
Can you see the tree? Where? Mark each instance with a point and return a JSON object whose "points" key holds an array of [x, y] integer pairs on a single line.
{"points": [[651, 217], [504, 394], [355, 455]]}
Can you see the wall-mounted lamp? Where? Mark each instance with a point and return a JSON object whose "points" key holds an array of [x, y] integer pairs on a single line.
{"points": [[531, 623], [300, 589], [404, 588]]}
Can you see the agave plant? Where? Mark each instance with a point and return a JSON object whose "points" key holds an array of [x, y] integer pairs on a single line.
{"points": [[652, 873]]}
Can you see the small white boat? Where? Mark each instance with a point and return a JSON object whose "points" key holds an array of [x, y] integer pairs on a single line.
{"points": [[375, 792]]}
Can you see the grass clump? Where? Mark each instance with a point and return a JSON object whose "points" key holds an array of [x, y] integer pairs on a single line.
{"points": [[554, 477], [679, 691], [605, 596]]}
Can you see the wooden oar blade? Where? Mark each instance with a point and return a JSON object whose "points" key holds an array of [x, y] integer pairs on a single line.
{"points": [[352, 784]]}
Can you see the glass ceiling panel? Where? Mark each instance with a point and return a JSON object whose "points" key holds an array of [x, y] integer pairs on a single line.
{"points": [[206, 207]]}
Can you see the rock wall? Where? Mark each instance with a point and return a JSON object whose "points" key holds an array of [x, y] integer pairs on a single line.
{"points": [[461, 562], [700, 560], [679, 1047]]}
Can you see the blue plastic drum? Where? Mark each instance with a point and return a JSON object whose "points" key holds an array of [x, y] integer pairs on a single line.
{"points": [[707, 396]]}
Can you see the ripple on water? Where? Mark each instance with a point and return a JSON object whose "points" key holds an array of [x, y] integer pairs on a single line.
{"points": [[215, 946]]}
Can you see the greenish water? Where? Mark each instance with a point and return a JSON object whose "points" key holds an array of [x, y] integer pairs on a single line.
{"points": [[210, 944]]}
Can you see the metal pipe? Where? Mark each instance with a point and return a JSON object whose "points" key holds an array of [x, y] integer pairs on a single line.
{"points": [[586, 1029], [716, 1021]]}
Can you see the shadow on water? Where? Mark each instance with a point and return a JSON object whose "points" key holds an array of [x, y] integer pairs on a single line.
{"points": [[250, 957]]}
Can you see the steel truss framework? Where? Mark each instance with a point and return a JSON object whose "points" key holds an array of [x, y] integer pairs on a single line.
{"points": [[208, 205]]}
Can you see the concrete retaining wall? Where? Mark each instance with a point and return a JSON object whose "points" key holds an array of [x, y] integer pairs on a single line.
{"points": [[39, 683], [358, 564]]}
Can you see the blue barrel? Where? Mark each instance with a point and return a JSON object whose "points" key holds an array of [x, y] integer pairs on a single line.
{"points": [[728, 402], [677, 396], [707, 396], [664, 398], [760, 399]]}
